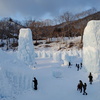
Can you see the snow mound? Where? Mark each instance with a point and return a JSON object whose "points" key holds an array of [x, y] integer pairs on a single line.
{"points": [[91, 47], [38, 54], [56, 56], [49, 54], [26, 47], [57, 74], [65, 59], [43, 53]]}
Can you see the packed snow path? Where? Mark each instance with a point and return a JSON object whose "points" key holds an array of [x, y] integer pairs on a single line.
{"points": [[63, 88]]}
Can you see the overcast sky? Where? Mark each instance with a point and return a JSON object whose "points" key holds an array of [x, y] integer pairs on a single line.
{"points": [[43, 9]]}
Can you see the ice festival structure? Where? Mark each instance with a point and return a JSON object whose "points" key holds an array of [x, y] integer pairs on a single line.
{"points": [[26, 47], [91, 47]]}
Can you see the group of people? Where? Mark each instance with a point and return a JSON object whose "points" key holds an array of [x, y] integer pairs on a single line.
{"points": [[79, 66], [82, 86]]}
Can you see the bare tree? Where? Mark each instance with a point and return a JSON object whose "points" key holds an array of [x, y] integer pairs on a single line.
{"points": [[28, 21], [8, 28], [47, 29], [68, 17], [82, 23], [35, 27], [86, 13]]}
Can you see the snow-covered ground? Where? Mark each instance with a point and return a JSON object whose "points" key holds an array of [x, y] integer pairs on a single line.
{"points": [[55, 81]]}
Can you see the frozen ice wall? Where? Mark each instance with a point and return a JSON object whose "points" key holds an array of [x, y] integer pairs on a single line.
{"points": [[15, 76], [91, 46], [13, 82], [26, 47], [65, 58], [56, 57]]}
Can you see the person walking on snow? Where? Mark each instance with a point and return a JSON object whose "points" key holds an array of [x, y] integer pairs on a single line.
{"points": [[35, 83], [90, 78], [78, 67], [79, 86], [84, 89], [69, 66]]}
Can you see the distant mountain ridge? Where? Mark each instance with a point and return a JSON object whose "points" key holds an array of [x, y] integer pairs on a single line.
{"points": [[76, 27]]}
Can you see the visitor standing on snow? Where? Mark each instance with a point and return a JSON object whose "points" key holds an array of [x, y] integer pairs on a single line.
{"points": [[90, 78], [78, 67], [35, 83], [69, 66], [79, 86], [84, 89]]}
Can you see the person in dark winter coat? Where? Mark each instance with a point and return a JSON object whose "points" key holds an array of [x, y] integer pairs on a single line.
{"points": [[78, 67], [69, 66], [84, 89], [90, 78], [79, 86], [35, 83]]}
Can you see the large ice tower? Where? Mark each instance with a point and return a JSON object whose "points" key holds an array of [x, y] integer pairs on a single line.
{"points": [[91, 46], [26, 47]]}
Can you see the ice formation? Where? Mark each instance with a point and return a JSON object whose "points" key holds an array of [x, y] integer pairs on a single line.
{"points": [[91, 46], [26, 47], [38, 53], [65, 59], [57, 73], [56, 57], [15, 76], [43, 53], [49, 54]]}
